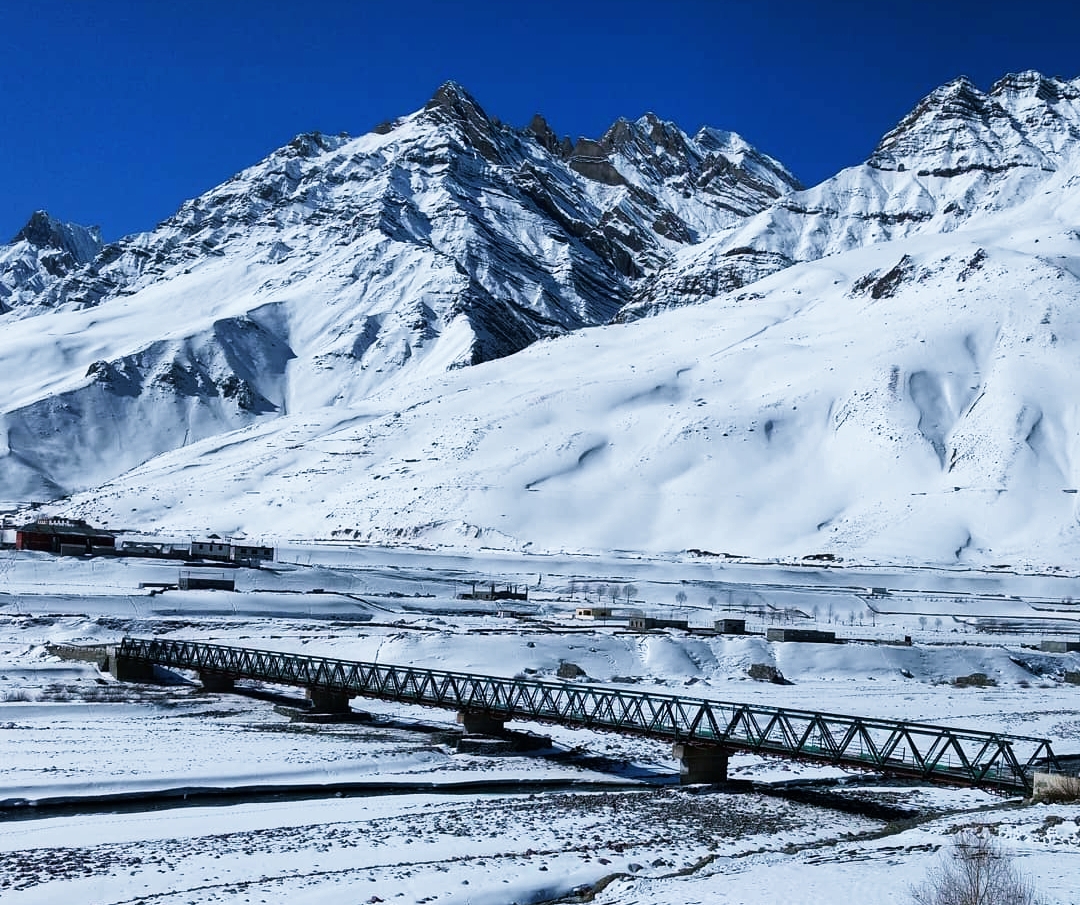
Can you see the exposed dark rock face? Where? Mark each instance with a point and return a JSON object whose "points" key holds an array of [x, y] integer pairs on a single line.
{"points": [[882, 286], [43, 231]]}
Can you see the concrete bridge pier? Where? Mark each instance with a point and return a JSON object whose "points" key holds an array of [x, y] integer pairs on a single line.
{"points": [[323, 700], [701, 763], [480, 723], [217, 682], [125, 670]]}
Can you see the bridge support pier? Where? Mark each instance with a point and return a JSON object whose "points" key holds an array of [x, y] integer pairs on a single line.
{"points": [[480, 723], [324, 700], [701, 764], [217, 682], [125, 670]]}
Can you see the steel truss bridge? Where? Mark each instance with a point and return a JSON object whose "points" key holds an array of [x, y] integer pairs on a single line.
{"points": [[916, 750]]}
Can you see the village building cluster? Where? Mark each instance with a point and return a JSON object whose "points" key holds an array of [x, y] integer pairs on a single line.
{"points": [[639, 621], [74, 537]]}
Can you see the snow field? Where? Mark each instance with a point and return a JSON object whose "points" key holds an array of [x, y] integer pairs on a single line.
{"points": [[66, 730]]}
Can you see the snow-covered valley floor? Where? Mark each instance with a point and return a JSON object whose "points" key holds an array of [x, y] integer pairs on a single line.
{"points": [[380, 810]]}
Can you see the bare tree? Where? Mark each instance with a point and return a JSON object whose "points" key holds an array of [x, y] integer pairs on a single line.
{"points": [[922, 622], [680, 598], [976, 871], [631, 591]]}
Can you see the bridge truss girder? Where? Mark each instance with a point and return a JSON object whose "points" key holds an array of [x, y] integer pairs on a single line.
{"points": [[918, 750]]}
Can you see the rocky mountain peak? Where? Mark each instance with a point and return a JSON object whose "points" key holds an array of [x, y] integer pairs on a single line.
{"points": [[954, 130], [1046, 109], [648, 143], [453, 104], [647, 135], [1049, 89], [44, 231], [635, 139], [953, 106], [41, 254], [1025, 120], [720, 140], [453, 98], [717, 165], [549, 140]]}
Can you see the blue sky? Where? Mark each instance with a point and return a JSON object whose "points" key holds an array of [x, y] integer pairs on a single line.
{"points": [[116, 111]]}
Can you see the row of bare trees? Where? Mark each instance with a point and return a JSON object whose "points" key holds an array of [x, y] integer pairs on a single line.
{"points": [[615, 591]]}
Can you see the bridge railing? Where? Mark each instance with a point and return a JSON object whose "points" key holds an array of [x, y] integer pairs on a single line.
{"points": [[920, 750]]}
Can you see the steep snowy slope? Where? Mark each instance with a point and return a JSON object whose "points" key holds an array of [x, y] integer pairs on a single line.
{"points": [[43, 251], [910, 401], [959, 155], [338, 266]]}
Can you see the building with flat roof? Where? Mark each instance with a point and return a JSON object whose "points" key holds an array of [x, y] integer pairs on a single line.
{"points": [[643, 623], [591, 611], [64, 537], [804, 635]]}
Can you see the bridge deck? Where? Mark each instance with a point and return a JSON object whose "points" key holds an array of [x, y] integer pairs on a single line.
{"points": [[919, 750]]}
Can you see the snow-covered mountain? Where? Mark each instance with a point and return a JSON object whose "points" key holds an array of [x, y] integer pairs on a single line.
{"points": [[960, 155], [339, 265], [342, 341]]}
